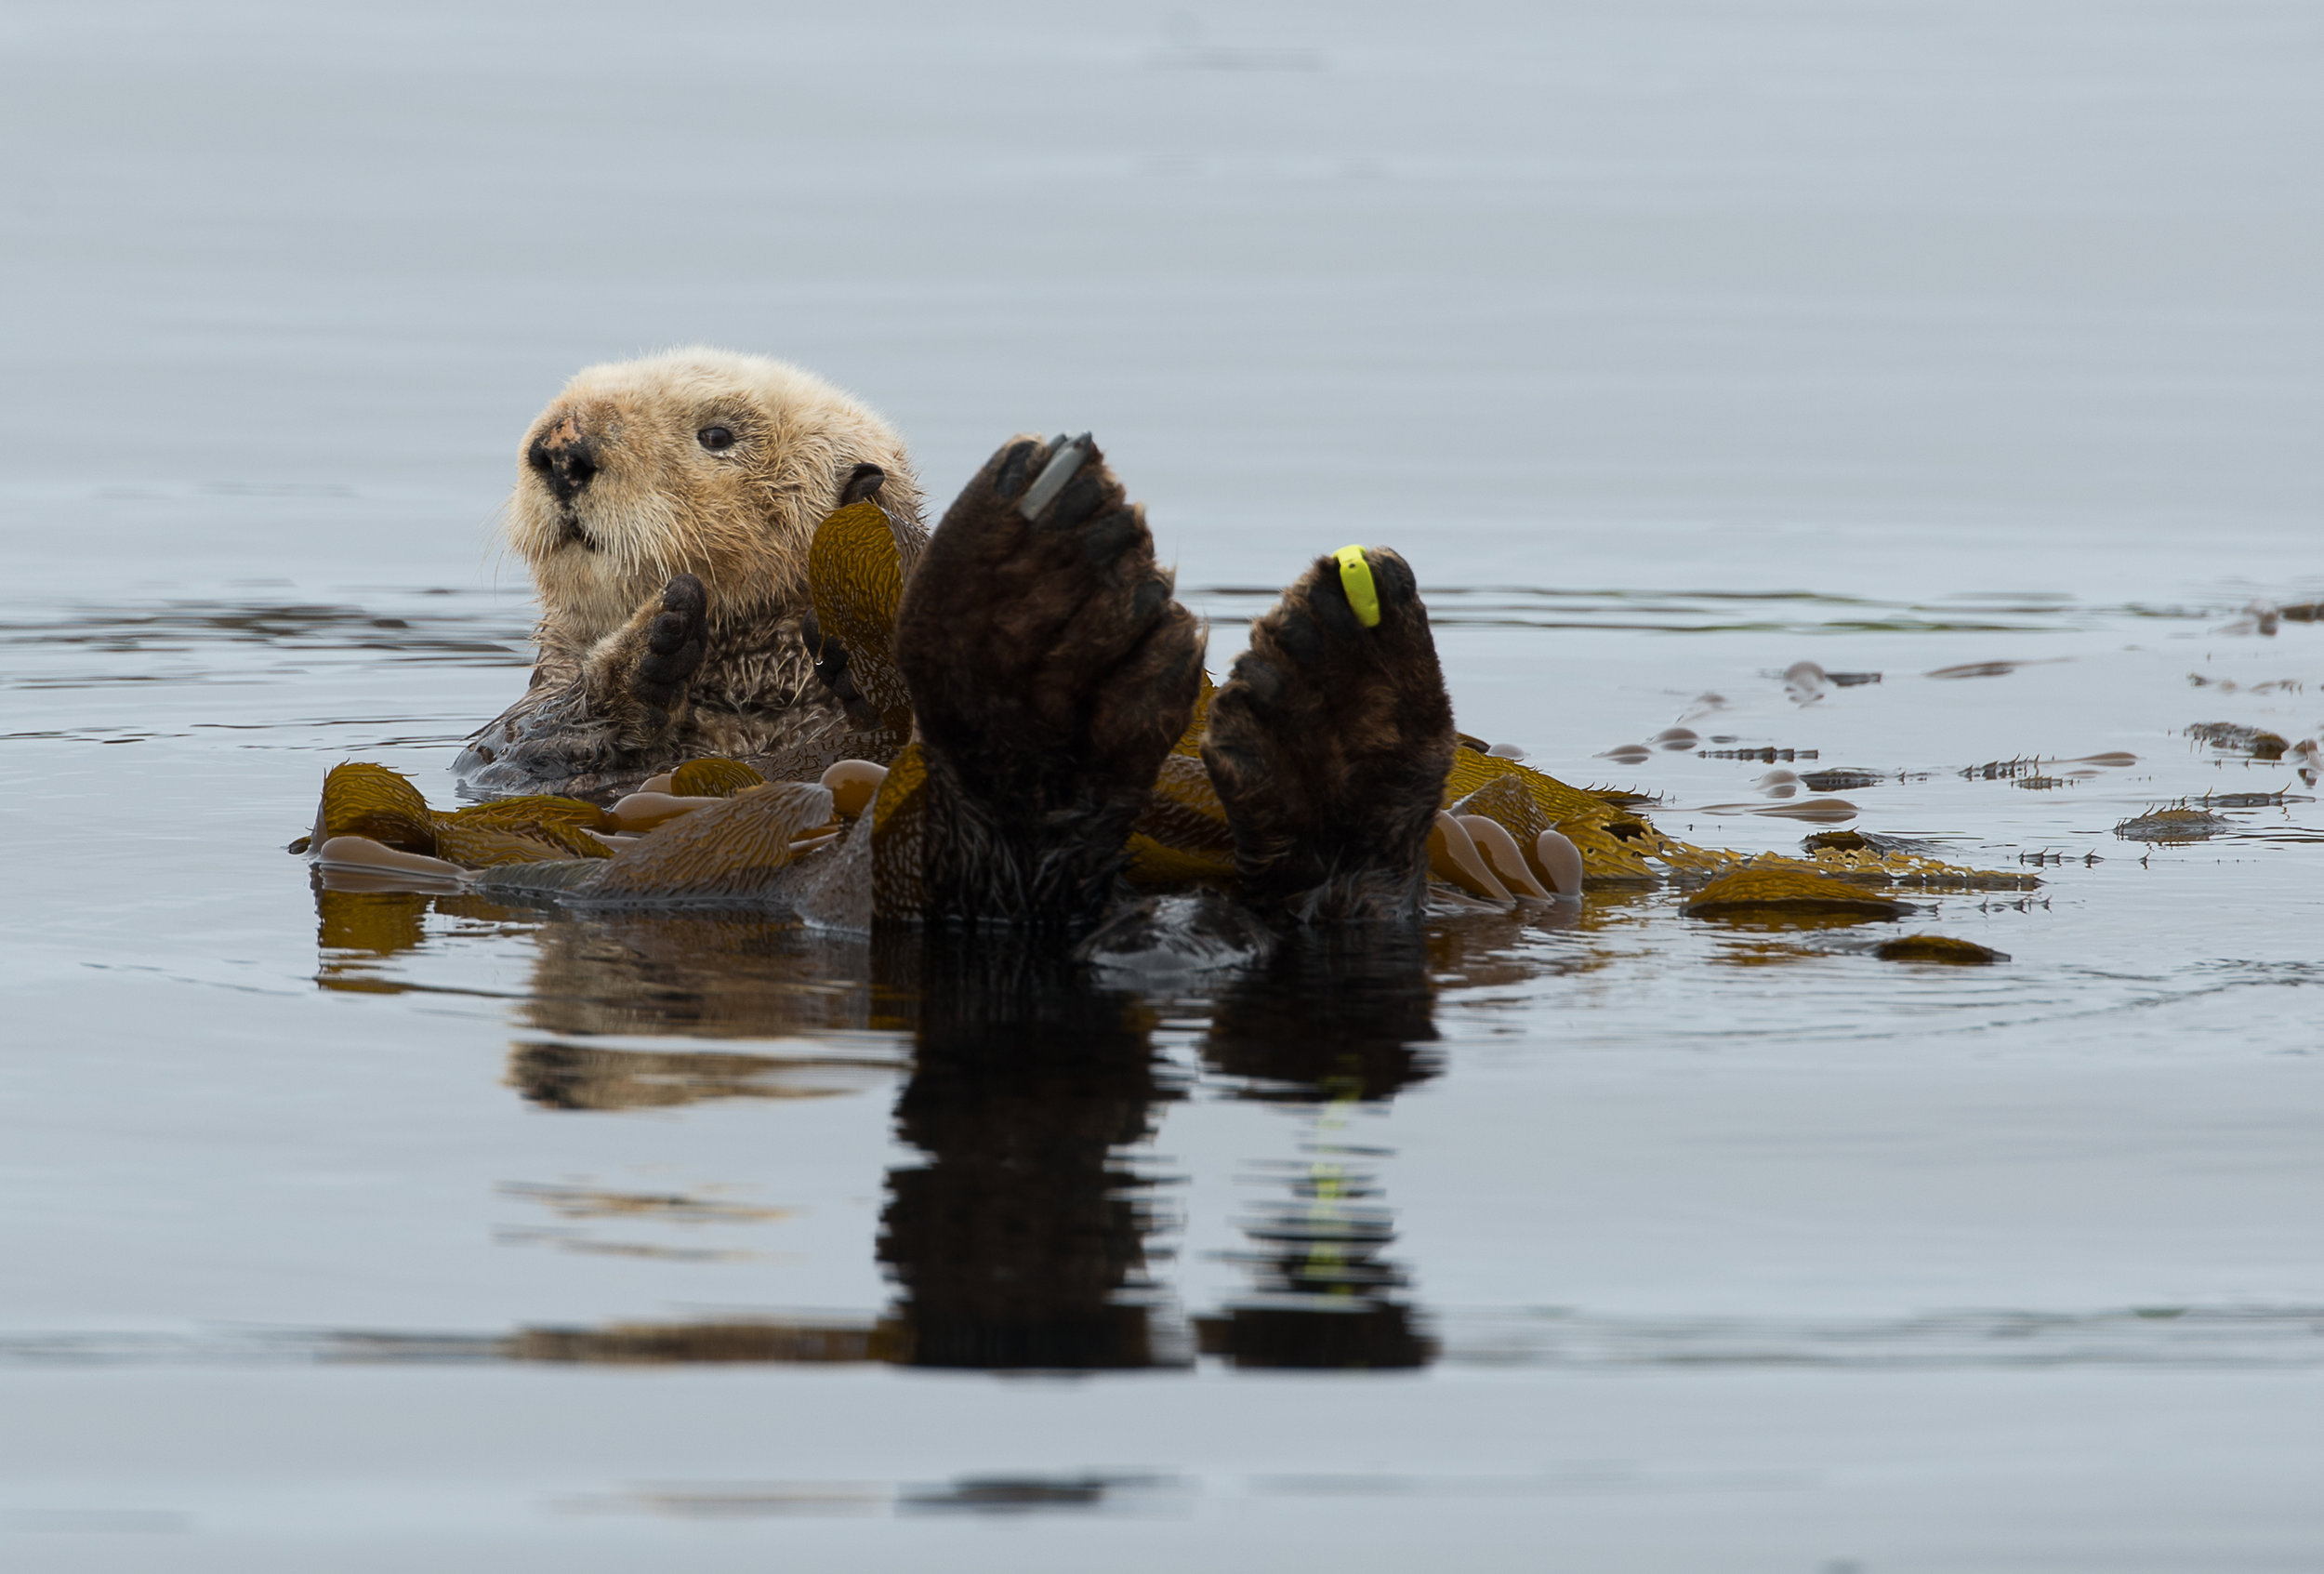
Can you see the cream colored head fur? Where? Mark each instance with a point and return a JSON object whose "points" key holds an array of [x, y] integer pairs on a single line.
{"points": [[698, 461]]}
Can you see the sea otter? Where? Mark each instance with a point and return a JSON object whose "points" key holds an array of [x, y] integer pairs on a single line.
{"points": [[1042, 741], [666, 506], [1052, 685], [667, 509]]}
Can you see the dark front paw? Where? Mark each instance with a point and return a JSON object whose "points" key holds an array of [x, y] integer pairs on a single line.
{"points": [[636, 682], [1050, 670], [831, 660], [1329, 745], [675, 641]]}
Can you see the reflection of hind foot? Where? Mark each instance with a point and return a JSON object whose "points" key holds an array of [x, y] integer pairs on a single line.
{"points": [[1050, 671], [1329, 746]]}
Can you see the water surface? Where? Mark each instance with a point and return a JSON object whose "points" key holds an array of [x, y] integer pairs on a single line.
{"points": [[356, 1229]]}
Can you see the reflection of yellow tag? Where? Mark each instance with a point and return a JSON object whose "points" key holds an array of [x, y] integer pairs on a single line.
{"points": [[1355, 578]]}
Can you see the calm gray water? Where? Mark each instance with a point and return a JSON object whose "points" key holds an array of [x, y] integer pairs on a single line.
{"points": [[1674, 344]]}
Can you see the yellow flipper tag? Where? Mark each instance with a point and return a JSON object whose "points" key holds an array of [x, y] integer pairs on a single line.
{"points": [[1355, 578]]}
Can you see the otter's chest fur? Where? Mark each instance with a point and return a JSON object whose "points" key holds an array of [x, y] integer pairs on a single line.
{"points": [[576, 731]]}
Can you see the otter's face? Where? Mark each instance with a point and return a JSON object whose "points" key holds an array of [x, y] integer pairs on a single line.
{"points": [[698, 463]]}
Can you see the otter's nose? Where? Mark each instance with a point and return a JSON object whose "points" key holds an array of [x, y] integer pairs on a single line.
{"points": [[564, 459]]}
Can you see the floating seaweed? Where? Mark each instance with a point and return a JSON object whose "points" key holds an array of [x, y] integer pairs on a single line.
{"points": [[1625, 797], [1852, 841], [714, 778], [2033, 765], [2251, 800], [2173, 825], [1832, 809], [1943, 948], [2233, 737], [1805, 683], [2259, 617], [2004, 770], [1978, 669], [2229, 686], [373, 804], [745, 847], [1787, 886]]}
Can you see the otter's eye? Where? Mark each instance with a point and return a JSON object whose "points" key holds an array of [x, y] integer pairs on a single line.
{"points": [[716, 438]]}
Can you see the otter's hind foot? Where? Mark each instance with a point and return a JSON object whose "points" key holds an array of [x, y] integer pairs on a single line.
{"points": [[1329, 745], [1050, 671]]}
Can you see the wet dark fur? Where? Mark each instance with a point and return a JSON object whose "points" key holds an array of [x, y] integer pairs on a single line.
{"points": [[1329, 746], [1051, 672], [600, 721]]}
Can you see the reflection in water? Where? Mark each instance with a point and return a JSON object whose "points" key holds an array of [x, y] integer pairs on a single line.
{"points": [[1080, 1493], [1021, 1242], [562, 1076], [708, 976], [1341, 1020], [1025, 1236], [2277, 1337], [575, 1205], [707, 1344], [357, 927], [373, 923]]}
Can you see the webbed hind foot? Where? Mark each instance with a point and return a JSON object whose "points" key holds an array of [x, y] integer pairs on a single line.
{"points": [[1050, 671], [1329, 745]]}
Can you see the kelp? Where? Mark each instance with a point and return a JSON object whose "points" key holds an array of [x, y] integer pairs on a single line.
{"points": [[713, 778], [1181, 838], [729, 850], [383, 806], [1620, 846], [2177, 824], [2233, 737], [1784, 886], [855, 574], [1940, 949]]}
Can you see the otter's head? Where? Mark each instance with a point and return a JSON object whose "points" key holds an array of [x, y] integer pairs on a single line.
{"points": [[698, 461]]}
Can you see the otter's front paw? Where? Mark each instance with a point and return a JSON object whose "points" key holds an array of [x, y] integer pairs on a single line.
{"points": [[637, 677], [1329, 745], [1050, 670], [676, 640]]}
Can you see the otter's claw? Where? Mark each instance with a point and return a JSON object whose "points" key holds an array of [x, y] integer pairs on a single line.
{"points": [[1065, 463]]}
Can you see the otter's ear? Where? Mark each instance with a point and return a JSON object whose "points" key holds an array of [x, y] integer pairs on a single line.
{"points": [[863, 483]]}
